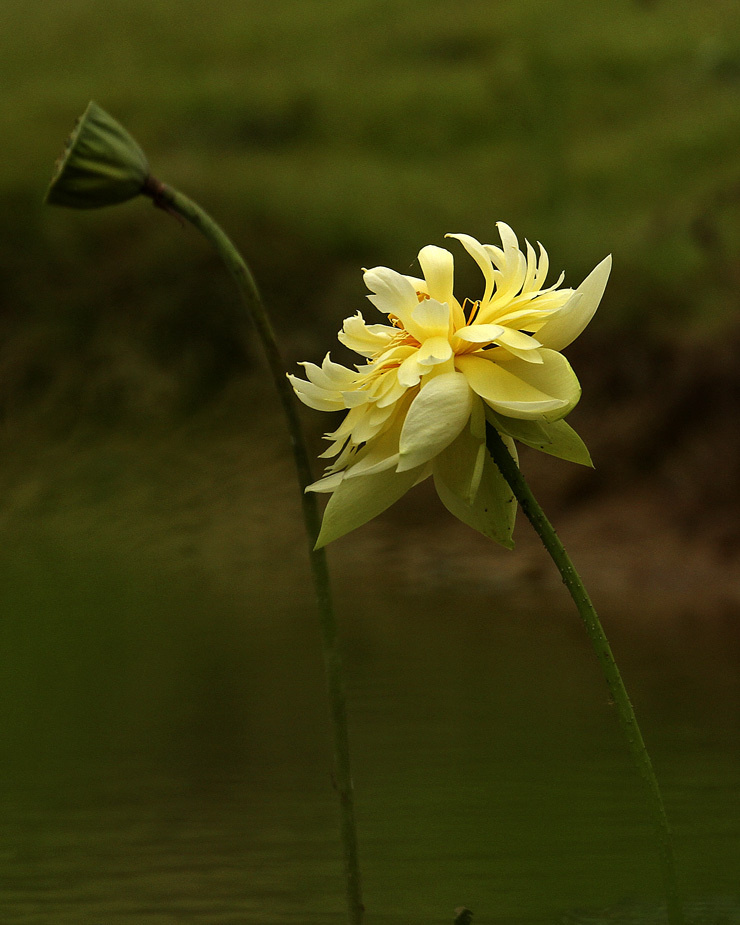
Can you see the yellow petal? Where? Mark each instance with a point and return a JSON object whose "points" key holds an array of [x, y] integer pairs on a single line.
{"points": [[520, 345], [437, 265], [478, 253], [511, 265], [369, 424]]}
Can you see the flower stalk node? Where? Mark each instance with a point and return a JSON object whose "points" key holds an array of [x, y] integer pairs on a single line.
{"points": [[158, 192]]}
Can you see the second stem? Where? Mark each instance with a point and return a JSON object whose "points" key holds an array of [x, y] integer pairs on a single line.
{"points": [[175, 202]]}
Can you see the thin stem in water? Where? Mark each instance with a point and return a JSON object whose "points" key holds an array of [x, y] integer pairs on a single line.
{"points": [[600, 643], [179, 205]]}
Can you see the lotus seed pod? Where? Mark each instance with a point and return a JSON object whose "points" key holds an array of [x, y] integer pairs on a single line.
{"points": [[101, 164]]}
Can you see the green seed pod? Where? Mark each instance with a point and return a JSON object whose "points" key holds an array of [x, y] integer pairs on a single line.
{"points": [[101, 164]]}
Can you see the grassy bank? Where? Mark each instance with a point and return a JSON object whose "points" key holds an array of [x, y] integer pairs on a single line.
{"points": [[331, 135]]}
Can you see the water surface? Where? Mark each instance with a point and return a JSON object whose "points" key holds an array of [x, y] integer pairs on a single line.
{"points": [[164, 742]]}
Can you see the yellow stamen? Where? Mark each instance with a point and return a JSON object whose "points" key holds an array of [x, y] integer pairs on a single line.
{"points": [[471, 309]]}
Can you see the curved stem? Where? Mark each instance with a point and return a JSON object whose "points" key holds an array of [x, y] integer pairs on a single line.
{"points": [[600, 643], [177, 204]]}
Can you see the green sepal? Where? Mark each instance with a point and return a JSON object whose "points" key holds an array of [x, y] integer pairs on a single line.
{"points": [[555, 437], [358, 500], [493, 510], [101, 164], [460, 466]]}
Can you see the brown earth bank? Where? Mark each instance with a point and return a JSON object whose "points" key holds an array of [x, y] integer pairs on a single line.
{"points": [[654, 524], [656, 521]]}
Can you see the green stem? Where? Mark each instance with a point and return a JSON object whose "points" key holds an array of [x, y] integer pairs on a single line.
{"points": [[627, 718], [176, 203]]}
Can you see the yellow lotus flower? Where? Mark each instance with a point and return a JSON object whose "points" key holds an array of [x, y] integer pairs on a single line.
{"points": [[438, 372]]}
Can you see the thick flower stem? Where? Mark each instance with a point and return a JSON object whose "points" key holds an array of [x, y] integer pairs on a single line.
{"points": [[627, 718], [176, 203]]}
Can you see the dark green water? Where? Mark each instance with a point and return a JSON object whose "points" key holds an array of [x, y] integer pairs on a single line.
{"points": [[164, 755]]}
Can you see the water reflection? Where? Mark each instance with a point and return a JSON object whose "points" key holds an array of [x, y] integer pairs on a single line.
{"points": [[166, 758]]}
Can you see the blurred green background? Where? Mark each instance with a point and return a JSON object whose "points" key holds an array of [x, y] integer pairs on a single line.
{"points": [[163, 745], [328, 136]]}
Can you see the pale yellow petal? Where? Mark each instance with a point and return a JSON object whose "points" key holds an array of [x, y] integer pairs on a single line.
{"points": [[350, 420], [393, 393], [409, 372], [508, 237], [436, 416], [433, 351], [379, 454], [368, 426], [394, 294], [317, 398], [480, 333], [328, 483], [432, 319], [365, 339], [567, 323], [344, 459], [511, 265], [330, 376], [547, 391], [509, 353], [336, 447], [529, 285], [510, 337], [337, 374], [543, 265], [354, 397]]}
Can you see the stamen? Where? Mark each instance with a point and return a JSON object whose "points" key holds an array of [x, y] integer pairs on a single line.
{"points": [[471, 309]]}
